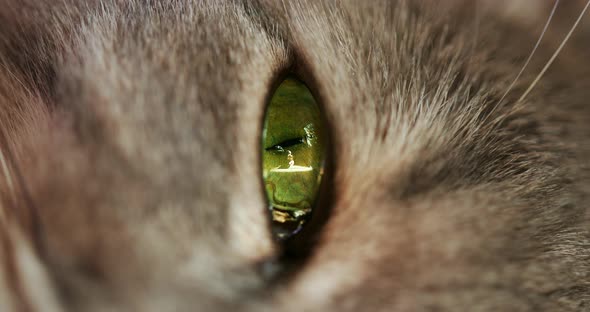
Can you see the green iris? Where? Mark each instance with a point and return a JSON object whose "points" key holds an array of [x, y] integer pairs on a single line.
{"points": [[293, 146]]}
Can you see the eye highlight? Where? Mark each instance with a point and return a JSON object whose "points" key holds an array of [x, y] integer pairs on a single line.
{"points": [[294, 149]]}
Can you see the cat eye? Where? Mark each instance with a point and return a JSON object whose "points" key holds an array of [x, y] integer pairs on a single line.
{"points": [[293, 156]]}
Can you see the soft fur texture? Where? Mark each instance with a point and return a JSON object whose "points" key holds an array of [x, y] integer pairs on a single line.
{"points": [[130, 156]]}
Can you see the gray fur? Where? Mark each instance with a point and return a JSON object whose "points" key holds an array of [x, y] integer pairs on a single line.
{"points": [[130, 130]]}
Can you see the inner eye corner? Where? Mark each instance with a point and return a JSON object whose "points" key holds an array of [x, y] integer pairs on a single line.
{"points": [[295, 173]]}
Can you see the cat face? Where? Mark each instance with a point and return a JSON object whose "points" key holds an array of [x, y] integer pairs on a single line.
{"points": [[131, 155]]}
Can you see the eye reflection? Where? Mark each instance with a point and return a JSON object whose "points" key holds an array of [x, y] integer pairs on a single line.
{"points": [[293, 156]]}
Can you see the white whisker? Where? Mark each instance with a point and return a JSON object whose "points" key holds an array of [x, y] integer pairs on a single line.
{"points": [[8, 178], [552, 59], [526, 63]]}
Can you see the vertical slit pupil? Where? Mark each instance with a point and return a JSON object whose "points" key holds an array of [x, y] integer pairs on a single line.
{"points": [[293, 156]]}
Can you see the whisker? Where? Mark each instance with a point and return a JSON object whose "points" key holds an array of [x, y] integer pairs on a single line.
{"points": [[526, 63], [7, 161], [8, 178], [552, 59], [5, 172]]}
